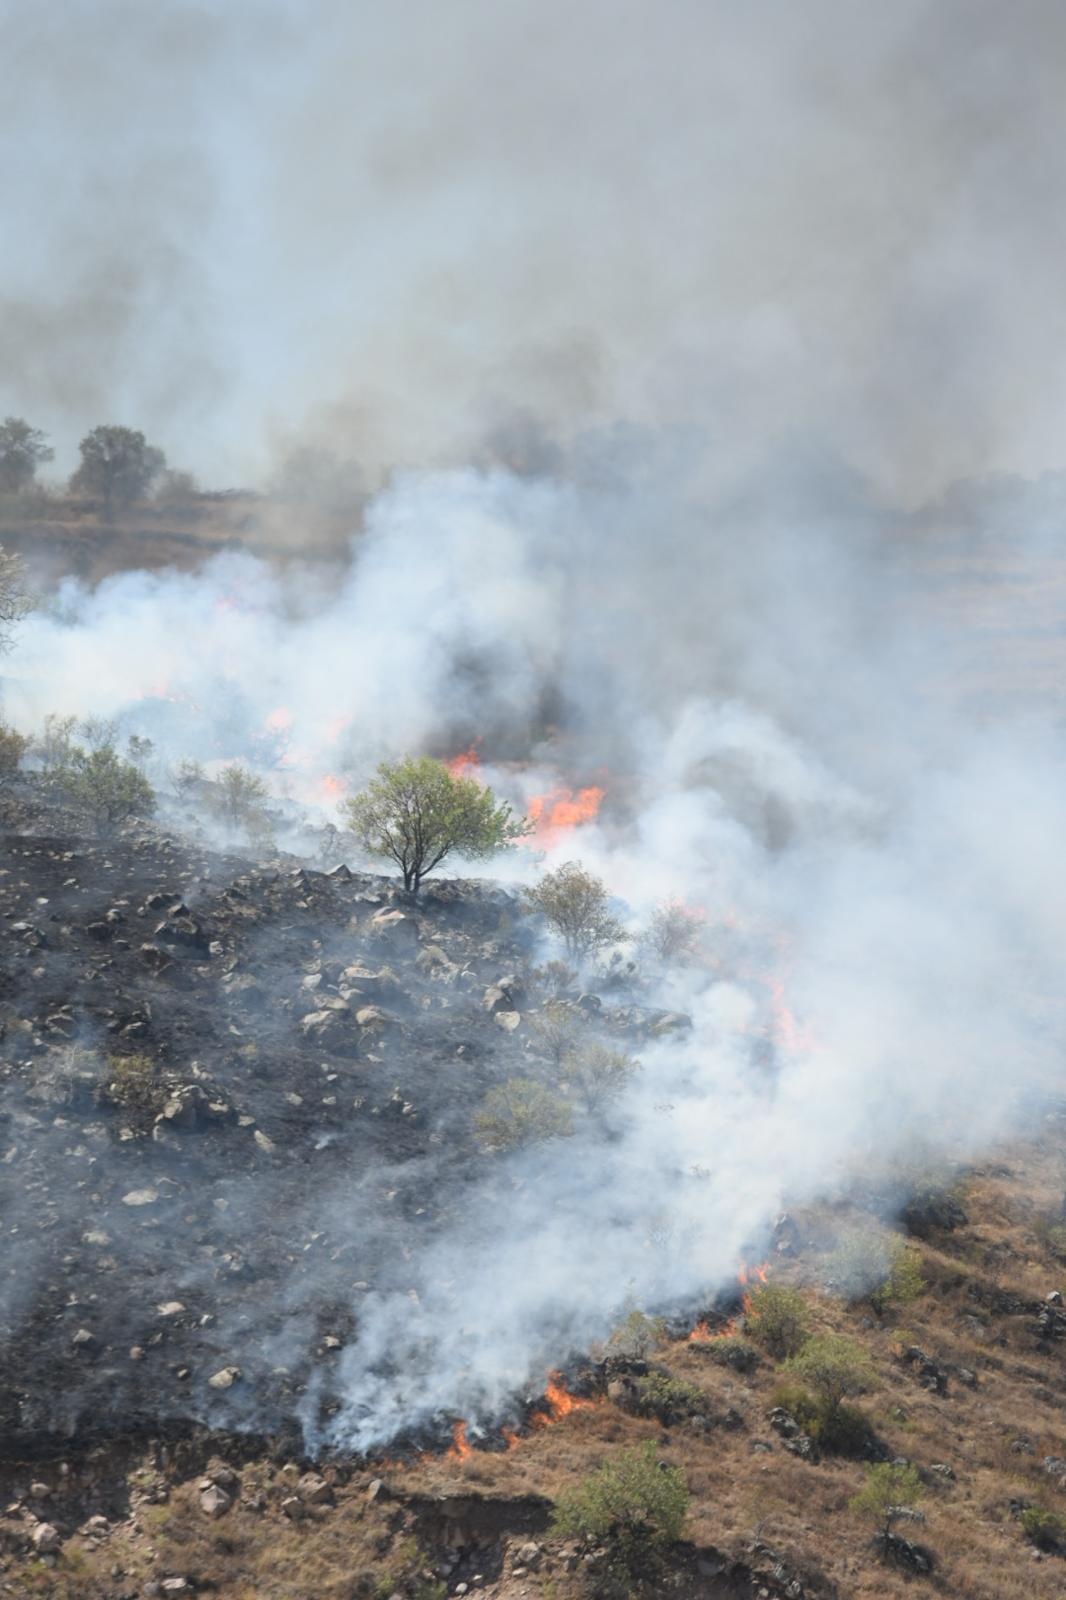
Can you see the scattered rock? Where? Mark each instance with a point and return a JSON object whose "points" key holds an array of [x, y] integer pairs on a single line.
{"points": [[225, 1378], [214, 1501], [45, 1539]]}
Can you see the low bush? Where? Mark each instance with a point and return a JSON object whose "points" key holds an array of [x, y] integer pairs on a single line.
{"points": [[1046, 1529], [633, 1503], [890, 1489], [13, 746], [732, 1352], [637, 1335], [133, 1086], [776, 1318], [521, 1111], [670, 1400]]}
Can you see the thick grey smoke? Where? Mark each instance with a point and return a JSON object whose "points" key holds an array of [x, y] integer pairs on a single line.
{"points": [[391, 229]]}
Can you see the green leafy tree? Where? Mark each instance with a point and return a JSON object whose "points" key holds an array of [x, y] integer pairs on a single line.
{"points": [[575, 905], [417, 813], [776, 1318], [836, 1369], [637, 1335], [108, 789], [22, 450], [889, 1490], [15, 598], [239, 797], [521, 1111], [597, 1074], [118, 466], [633, 1503]]}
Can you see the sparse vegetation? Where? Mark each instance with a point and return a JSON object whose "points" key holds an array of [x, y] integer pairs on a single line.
{"points": [[558, 1026], [575, 905], [633, 1503], [733, 1352], [133, 1085], [417, 813], [107, 789], [776, 1318], [596, 1074], [878, 1266], [673, 933], [637, 1335], [237, 796], [519, 1112], [890, 1489], [670, 1400], [1046, 1529], [13, 746]]}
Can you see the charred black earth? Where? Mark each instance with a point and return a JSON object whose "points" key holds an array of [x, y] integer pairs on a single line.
{"points": [[236, 1097]]}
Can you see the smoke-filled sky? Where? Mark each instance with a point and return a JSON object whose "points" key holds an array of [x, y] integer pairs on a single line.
{"points": [[384, 228]]}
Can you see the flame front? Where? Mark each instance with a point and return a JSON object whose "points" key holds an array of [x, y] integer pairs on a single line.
{"points": [[461, 1449], [557, 812]]}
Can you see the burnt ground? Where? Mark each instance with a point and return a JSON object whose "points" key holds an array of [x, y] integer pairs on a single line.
{"points": [[237, 1097], [316, 1049]]}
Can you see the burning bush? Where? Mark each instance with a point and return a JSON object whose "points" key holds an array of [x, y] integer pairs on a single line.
{"points": [[633, 1503], [416, 813], [521, 1111], [776, 1318], [574, 903]]}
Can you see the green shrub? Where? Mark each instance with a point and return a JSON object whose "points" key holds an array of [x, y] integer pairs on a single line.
{"points": [[732, 1352], [836, 1369], [841, 1429], [521, 1111], [575, 905], [670, 1400], [632, 1503], [1047, 1529], [776, 1318], [558, 1026], [106, 788], [888, 1489]]}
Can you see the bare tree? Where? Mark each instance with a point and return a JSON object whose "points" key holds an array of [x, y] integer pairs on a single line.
{"points": [[14, 596]]}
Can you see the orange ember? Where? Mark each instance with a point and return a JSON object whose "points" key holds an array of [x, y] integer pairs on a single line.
{"points": [[746, 1275], [703, 1333], [332, 787], [556, 812]]}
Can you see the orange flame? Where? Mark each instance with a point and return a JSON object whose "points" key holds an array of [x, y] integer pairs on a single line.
{"points": [[465, 763], [560, 1403], [746, 1274], [461, 1449], [703, 1333], [556, 812], [332, 787]]}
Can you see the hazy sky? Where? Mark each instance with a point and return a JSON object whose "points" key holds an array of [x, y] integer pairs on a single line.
{"points": [[384, 227]]}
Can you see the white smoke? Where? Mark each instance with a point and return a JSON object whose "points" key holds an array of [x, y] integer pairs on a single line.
{"points": [[771, 696]]}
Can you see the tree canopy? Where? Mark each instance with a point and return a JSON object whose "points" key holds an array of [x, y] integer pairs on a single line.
{"points": [[416, 813], [575, 904], [118, 466], [14, 596], [22, 449]]}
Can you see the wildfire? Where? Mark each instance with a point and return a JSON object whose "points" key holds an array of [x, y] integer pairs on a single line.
{"points": [[461, 1449], [560, 1403], [332, 787], [561, 809], [703, 1333], [747, 1277], [465, 763]]}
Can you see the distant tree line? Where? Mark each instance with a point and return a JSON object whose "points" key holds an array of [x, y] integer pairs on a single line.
{"points": [[118, 466]]}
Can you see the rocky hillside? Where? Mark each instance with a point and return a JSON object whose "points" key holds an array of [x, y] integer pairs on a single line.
{"points": [[237, 1097]]}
